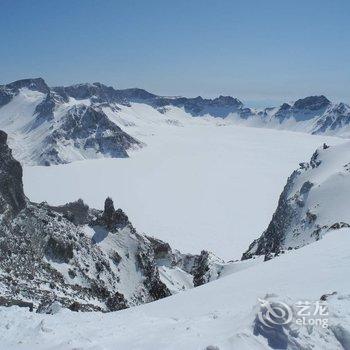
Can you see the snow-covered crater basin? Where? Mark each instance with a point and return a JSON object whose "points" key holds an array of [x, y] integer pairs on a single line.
{"points": [[198, 186]]}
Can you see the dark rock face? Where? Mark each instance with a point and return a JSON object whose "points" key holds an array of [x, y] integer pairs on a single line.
{"points": [[312, 103], [12, 302], [200, 269], [97, 92], [334, 119], [7, 92], [35, 84], [100, 93], [87, 128], [59, 250], [109, 213], [116, 302], [112, 219], [158, 290], [270, 242], [303, 109], [221, 106], [308, 207], [44, 111], [5, 96], [12, 198], [135, 95], [76, 212]]}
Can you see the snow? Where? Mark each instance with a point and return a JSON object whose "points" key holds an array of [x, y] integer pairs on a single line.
{"points": [[205, 184], [199, 183], [16, 117], [328, 198], [220, 313]]}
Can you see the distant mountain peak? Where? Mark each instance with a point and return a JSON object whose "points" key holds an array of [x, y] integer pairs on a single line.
{"points": [[36, 84], [312, 103]]}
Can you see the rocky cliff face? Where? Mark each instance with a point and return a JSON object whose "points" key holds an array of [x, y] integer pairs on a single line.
{"points": [[314, 202], [12, 199], [81, 258]]}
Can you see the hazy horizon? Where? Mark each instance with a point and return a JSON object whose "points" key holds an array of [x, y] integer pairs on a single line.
{"points": [[266, 52]]}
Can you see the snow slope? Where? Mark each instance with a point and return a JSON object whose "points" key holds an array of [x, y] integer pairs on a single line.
{"points": [[315, 201], [197, 185], [219, 315]]}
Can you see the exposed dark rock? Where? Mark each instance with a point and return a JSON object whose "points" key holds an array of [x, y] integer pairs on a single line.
{"points": [[161, 249], [201, 267], [35, 84], [76, 212], [157, 288], [116, 302], [48, 306], [271, 240], [58, 250], [315, 162], [324, 297], [44, 111], [312, 103], [338, 225], [112, 219], [115, 257], [87, 128], [12, 198], [5, 301]]}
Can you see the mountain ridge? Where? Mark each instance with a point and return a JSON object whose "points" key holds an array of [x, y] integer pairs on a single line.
{"points": [[59, 125]]}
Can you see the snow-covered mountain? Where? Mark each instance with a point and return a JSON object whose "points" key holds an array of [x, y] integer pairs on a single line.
{"points": [[48, 128], [63, 124], [312, 114], [82, 258], [314, 201]]}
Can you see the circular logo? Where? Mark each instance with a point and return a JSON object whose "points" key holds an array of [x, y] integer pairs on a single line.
{"points": [[274, 313]]}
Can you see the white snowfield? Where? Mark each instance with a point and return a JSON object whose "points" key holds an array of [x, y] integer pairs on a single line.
{"points": [[199, 183], [219, 315]]}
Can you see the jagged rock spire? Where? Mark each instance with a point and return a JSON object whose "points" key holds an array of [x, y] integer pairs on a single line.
{"points": [[113, 219]]}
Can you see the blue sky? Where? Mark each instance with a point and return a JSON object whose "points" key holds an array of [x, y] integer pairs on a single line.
{"points": [[256, 50]]}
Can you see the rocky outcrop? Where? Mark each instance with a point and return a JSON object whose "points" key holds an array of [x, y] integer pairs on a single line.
{"points": [[111, 218], [12, 198], [313, 203], [79, 258]]}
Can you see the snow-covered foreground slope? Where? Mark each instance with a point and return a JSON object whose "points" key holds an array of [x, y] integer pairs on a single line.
{"points": [[195, 186], [221, 313]]}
